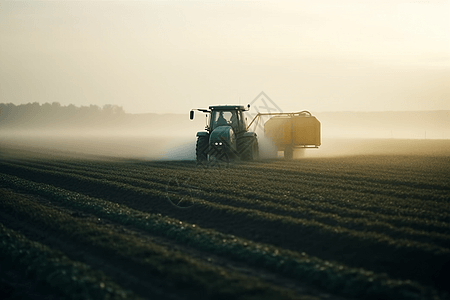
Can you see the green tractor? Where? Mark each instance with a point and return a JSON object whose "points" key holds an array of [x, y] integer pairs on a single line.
{"points": [[226, 135]]}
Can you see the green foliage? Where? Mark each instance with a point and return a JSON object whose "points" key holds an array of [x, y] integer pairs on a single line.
{"points": [[372, 227], [170, 268], [72, 279], [329, 275]]}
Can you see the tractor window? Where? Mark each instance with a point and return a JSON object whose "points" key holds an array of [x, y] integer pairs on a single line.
{"points": [[232, 118], [221, 118], [238, 122]]}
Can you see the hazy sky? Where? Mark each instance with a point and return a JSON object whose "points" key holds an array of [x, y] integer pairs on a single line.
{"points": [[171, 56]]}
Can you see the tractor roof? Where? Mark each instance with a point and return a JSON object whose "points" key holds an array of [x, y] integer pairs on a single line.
{"points": [[227, 107]]}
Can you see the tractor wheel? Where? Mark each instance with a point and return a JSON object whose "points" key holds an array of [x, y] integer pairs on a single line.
{"points": [[289, 152], [201, 149], [255, 150], [248, 148]]}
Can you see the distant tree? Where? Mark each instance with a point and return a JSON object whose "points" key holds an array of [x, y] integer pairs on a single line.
{"points": [[4, 111], [72, 107], [56, 105], [34, 107], [95, 109], [84, 111], [108, 109], [46, 113], [35, 115], [119, 110], [46, 107]]}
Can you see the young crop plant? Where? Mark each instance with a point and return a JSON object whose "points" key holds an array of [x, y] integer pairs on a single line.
{"points": [[69, 279], [328, 275], [171, 269], [376, 214]]}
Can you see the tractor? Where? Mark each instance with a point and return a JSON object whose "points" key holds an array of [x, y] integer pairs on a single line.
{"points": [[226, 135]]}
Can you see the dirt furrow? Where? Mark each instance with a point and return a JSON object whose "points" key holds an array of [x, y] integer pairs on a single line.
{"points": [[139, 277], [299, 238]]}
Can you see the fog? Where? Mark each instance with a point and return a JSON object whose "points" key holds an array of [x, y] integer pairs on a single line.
{"points": [[386, 125], [118, 78], [173, 137], [183, 148]]}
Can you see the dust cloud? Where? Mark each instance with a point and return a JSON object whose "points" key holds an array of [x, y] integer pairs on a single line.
{"points": [[178, 148], [350, 147], [100, 132], [173, 137], [267, 148], [182, 147]]}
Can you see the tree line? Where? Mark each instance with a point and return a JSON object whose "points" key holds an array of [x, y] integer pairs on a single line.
{"points": [[56, 116]]}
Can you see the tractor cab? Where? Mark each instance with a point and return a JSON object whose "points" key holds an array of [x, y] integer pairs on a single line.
{"points": [[227, 115]]}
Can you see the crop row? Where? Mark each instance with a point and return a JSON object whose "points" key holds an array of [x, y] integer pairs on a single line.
{"points": [[326, 274], [74, 280], [170, 268], [305, 203], [367, 183], [410, 170], [239, 202], [284, 190], [252, 224], [308, 199]]}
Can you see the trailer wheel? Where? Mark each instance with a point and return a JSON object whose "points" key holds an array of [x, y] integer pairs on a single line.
{"points": [[289, 152], [201, 149]]}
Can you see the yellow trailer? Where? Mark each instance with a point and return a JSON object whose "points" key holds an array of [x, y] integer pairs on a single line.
{"points": [[292, 130]]}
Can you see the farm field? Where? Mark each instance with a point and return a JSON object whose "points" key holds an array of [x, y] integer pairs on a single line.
{"points": [[373, 226]]}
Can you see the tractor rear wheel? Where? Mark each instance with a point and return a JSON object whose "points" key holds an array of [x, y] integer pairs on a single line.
{"points": [[201, 149], [248, 148]]}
